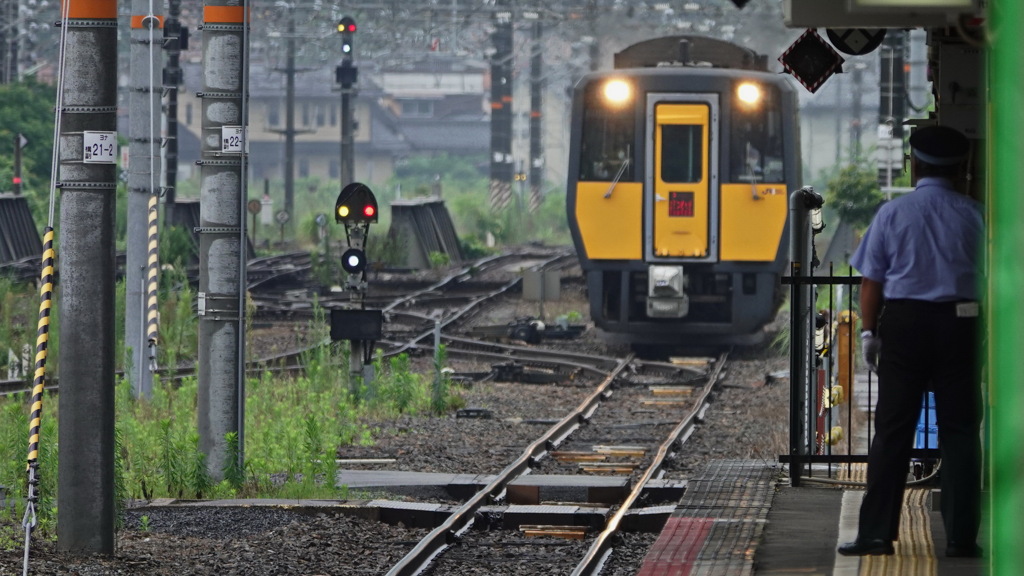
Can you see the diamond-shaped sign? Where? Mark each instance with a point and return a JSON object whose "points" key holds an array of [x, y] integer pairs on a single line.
{"points": [[811, 60]]}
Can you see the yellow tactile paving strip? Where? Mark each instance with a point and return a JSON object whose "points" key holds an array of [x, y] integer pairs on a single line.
{"points": [[915, 551]]}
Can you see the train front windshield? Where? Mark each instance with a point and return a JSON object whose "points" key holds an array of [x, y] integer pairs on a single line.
{"points": [[606, 147], [755, 150]]}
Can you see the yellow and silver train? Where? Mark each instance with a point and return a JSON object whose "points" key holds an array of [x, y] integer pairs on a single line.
{"points": [[679, 177]]}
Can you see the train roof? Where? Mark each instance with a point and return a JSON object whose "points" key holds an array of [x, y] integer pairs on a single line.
{"points": [[690, 51]]}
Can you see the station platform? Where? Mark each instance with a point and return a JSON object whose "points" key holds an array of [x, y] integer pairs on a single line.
{"points": [[743, 517]]}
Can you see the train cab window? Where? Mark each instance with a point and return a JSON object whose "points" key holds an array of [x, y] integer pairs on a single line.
{"points": [[682, 153], [606, 147], [755, 141]]}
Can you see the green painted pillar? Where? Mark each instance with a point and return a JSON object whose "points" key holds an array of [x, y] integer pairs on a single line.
{"points": [[1005, 341]]}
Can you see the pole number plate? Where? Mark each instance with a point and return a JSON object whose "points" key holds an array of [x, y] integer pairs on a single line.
{"points": [[232, 140], [99, 147]]}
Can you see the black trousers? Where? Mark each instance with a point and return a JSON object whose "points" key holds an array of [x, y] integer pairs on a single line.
{"points": [[925, 346]]}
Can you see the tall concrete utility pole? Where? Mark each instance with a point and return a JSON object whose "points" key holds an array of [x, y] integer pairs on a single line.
{"points": [[502, 167], [143, 191], [222, 230], [87, 149]]}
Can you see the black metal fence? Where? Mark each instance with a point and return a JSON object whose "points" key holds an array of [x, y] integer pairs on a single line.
{"points": [[832, 393]]}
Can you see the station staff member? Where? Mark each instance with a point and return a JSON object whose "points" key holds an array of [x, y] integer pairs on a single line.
{"points": [[919, 310]]}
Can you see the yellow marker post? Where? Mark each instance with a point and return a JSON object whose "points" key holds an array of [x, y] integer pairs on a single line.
{"points": [[38, 384]]}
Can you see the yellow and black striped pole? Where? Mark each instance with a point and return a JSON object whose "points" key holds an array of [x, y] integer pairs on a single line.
{"points": [[39, 381], [152, 281]]}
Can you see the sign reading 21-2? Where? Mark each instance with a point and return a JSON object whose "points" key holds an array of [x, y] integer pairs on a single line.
{"points": [[99, 147]]}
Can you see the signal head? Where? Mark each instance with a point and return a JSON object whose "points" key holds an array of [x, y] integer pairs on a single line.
{"points": [[355, 205], [346, 25]]}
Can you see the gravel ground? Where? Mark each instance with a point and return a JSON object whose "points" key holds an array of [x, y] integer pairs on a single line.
{"points": [[746, 420]]}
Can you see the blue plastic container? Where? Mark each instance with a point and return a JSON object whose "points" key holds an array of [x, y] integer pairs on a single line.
{"points": [[927, 426]]}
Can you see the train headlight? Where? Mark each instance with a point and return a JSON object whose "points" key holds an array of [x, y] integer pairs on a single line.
{"points": [[617, 92], [749, 93]]}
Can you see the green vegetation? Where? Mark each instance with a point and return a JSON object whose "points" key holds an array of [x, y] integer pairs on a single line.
{"points": [[27, 108], [439, 259], [853, 193], [293, 423]]}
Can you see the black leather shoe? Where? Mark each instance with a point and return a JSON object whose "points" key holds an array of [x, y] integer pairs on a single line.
{"points": [[876, 547], [958, 551]]}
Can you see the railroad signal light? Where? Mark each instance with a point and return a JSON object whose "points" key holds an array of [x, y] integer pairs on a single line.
{"points": [[347, 27], [353, 261], [356, 205]]}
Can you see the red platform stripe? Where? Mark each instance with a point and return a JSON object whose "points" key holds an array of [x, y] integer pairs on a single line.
{"points": [[675, 551]]}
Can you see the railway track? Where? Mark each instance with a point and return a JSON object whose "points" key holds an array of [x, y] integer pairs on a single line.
{"points": [[557, 444], [413, 309], [564, 375]]}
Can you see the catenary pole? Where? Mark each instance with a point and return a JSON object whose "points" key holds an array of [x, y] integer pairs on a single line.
{"points": [[536, 126], [178, 37], [222, 226], [87, 150], [143, 183], [502, 167]]}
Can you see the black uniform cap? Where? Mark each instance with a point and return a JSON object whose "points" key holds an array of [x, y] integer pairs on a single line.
{"points": [[939, 145]]}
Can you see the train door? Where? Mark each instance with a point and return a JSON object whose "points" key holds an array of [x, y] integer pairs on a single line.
{"points": [[681, 200]]}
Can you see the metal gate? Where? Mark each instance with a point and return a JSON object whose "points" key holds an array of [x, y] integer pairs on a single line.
{"points": [[832, 395]]}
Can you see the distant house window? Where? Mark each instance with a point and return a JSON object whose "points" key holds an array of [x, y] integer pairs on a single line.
{"points": [[303, 168], [305, 113], [320, 115], [334, 114], [188, 114], [273, 114], [334, 170], [417, 108]]}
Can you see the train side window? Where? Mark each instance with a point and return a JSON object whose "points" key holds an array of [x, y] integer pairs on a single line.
{"points": [[755, 137], [606, 146], [682, 153]]}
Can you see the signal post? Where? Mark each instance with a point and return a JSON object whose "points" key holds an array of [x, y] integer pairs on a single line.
{"points": [[346, 75], [356, 209]]}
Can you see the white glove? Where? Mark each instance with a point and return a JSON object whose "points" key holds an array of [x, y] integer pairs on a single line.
{"points": [[870, 346]]}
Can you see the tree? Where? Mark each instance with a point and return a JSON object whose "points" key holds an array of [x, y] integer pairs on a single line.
{"points": [[854, 194], [27, 108]]}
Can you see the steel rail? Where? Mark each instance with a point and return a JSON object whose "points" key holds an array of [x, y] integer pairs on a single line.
{"points": [[601, 547], [289, 360], [546, 358], [461, 519]]}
